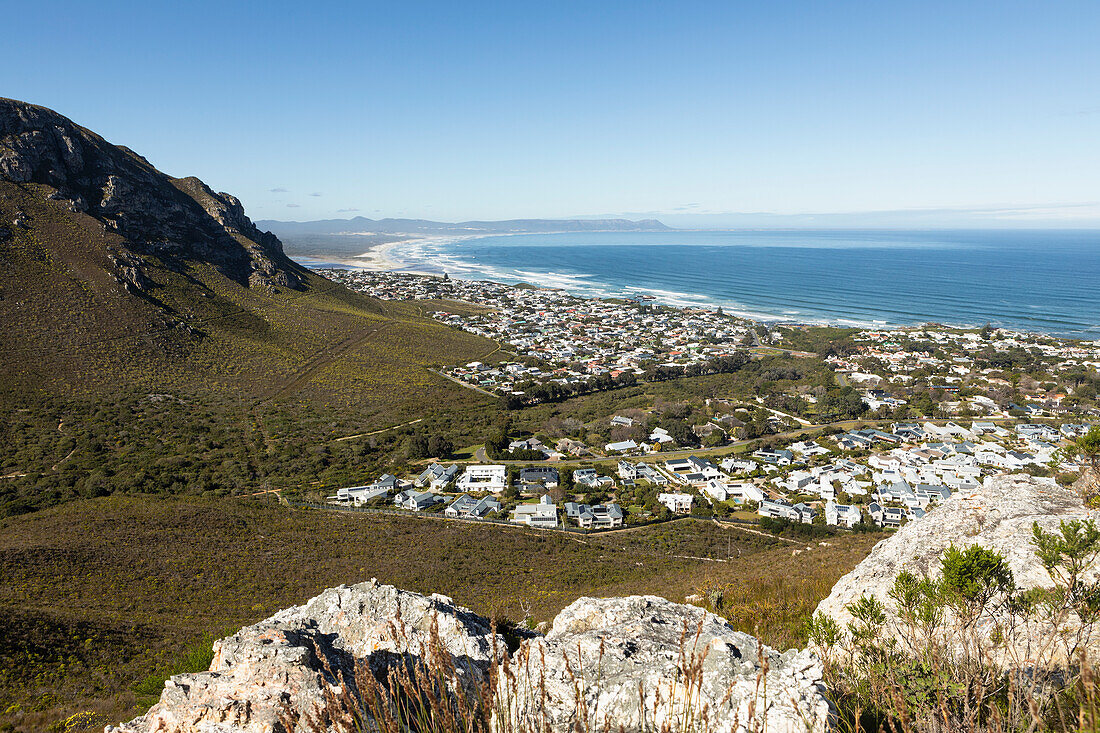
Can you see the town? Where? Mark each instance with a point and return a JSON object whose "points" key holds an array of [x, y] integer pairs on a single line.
{"points": [[927, 411]]}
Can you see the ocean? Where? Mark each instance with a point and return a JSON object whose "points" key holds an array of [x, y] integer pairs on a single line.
{"points": [[1033, 280]]}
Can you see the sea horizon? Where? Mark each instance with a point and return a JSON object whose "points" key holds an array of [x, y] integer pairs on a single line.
{"points": [[1033, 280]]}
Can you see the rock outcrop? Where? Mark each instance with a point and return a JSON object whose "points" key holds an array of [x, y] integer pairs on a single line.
{"points": [[284, 665], [621, 663], [174, 219], [614, 660], [998, 516]]}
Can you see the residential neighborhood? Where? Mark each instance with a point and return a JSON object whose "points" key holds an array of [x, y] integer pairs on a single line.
{"points": [[856, 429]]}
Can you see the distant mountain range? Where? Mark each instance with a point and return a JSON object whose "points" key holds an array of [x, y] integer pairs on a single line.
{"points": [[361, 224]]}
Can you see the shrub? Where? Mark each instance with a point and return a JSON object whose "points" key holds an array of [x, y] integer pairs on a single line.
{"points": [[970, 651]]}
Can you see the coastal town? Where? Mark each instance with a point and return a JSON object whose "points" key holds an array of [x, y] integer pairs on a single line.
{"points": [[931, 411]]}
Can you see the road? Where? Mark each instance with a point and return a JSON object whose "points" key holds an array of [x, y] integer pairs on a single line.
{"points": [[720, 452]]}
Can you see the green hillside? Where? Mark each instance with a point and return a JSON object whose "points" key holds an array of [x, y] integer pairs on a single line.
{"points": [[155, 341]]}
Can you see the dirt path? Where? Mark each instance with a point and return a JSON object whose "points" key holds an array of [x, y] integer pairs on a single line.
{"points": [[318, 361], [376, 432], [728, 525], [467, 385]]}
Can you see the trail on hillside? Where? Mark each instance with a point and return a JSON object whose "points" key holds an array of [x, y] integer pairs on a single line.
{"points": [[319, 360]]}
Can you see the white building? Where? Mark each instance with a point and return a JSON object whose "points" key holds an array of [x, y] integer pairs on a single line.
{"points": [[544, 514], [842, 514], [479, 477], [679, 503]]}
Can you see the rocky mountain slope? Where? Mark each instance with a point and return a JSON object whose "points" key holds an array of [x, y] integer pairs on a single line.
{"points": [[113, 274], [610, 661], [178, 219]]}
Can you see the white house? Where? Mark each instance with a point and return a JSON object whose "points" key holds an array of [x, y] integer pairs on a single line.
{"points": [[679, 503], [359, 494], [437, 476], [467, 507], [544, 514], [716, 490], [484, 477], [842, 514], [600, 516], [415, 500], [738, 465], [742, 491], [660, 435]]}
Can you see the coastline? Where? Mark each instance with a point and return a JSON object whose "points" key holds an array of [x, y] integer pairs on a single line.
{"points": [[432, 255]]}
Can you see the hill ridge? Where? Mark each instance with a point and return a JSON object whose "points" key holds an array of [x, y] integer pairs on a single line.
{"points": [[176, 219]]}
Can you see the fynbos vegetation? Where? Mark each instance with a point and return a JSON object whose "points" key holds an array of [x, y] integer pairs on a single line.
{"points": [[968, 650]]}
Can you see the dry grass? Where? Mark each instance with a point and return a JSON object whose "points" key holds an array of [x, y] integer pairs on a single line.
{"points": [[98, 595]]}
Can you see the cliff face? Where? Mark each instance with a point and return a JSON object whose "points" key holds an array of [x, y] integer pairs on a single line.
{"points": [[174, 219]]}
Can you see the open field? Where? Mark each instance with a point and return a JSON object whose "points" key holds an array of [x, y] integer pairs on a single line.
{"points": [[103, 597]]}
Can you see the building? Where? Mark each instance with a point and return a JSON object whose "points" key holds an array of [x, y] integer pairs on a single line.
{"points": [[543, 514], [678, 503], [842, 515], [437, 476], [484, 477], [359, 494], [415, 500], [467, 507], [599, 516], [779, 457], [543, 475]]}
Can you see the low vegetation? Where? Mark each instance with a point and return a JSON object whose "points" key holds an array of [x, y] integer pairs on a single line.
{"points": [[104, 597], [968, 650]]}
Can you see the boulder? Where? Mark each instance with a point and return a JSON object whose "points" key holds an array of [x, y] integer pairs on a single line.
{"points": [[998, 515], [294, 662], [626, 659], [646, 662]]}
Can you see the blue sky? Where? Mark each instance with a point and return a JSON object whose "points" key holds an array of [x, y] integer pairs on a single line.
{"points": [[716, 113]]}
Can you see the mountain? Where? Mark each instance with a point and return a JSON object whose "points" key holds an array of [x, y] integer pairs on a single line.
{"points": [[422, 226], [113, 274], [174, 219]]}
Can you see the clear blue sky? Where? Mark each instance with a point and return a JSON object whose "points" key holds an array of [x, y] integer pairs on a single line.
{"points": [[453, 110]]}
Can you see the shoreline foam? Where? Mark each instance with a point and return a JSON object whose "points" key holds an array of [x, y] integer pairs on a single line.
{"points": [[430, 255]]}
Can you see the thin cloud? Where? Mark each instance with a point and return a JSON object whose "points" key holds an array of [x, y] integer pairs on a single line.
{"points": [[344, 211], [315, 194], [293, 206], [277, 190], [1080, 112]]}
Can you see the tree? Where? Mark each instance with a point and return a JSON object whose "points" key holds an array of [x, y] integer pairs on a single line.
{"points": [[440, 446], [418, 446], [843, 402]]}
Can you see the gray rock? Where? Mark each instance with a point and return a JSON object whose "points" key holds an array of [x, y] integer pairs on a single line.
{"points": [[998, 515], [620, 649], [644, 660], [286, 662]]}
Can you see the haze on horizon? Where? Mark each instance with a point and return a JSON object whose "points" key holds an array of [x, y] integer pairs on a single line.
{"points": [[706, 114]]}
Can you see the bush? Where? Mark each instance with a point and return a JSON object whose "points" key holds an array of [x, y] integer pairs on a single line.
{"points": [[950, 657]]}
